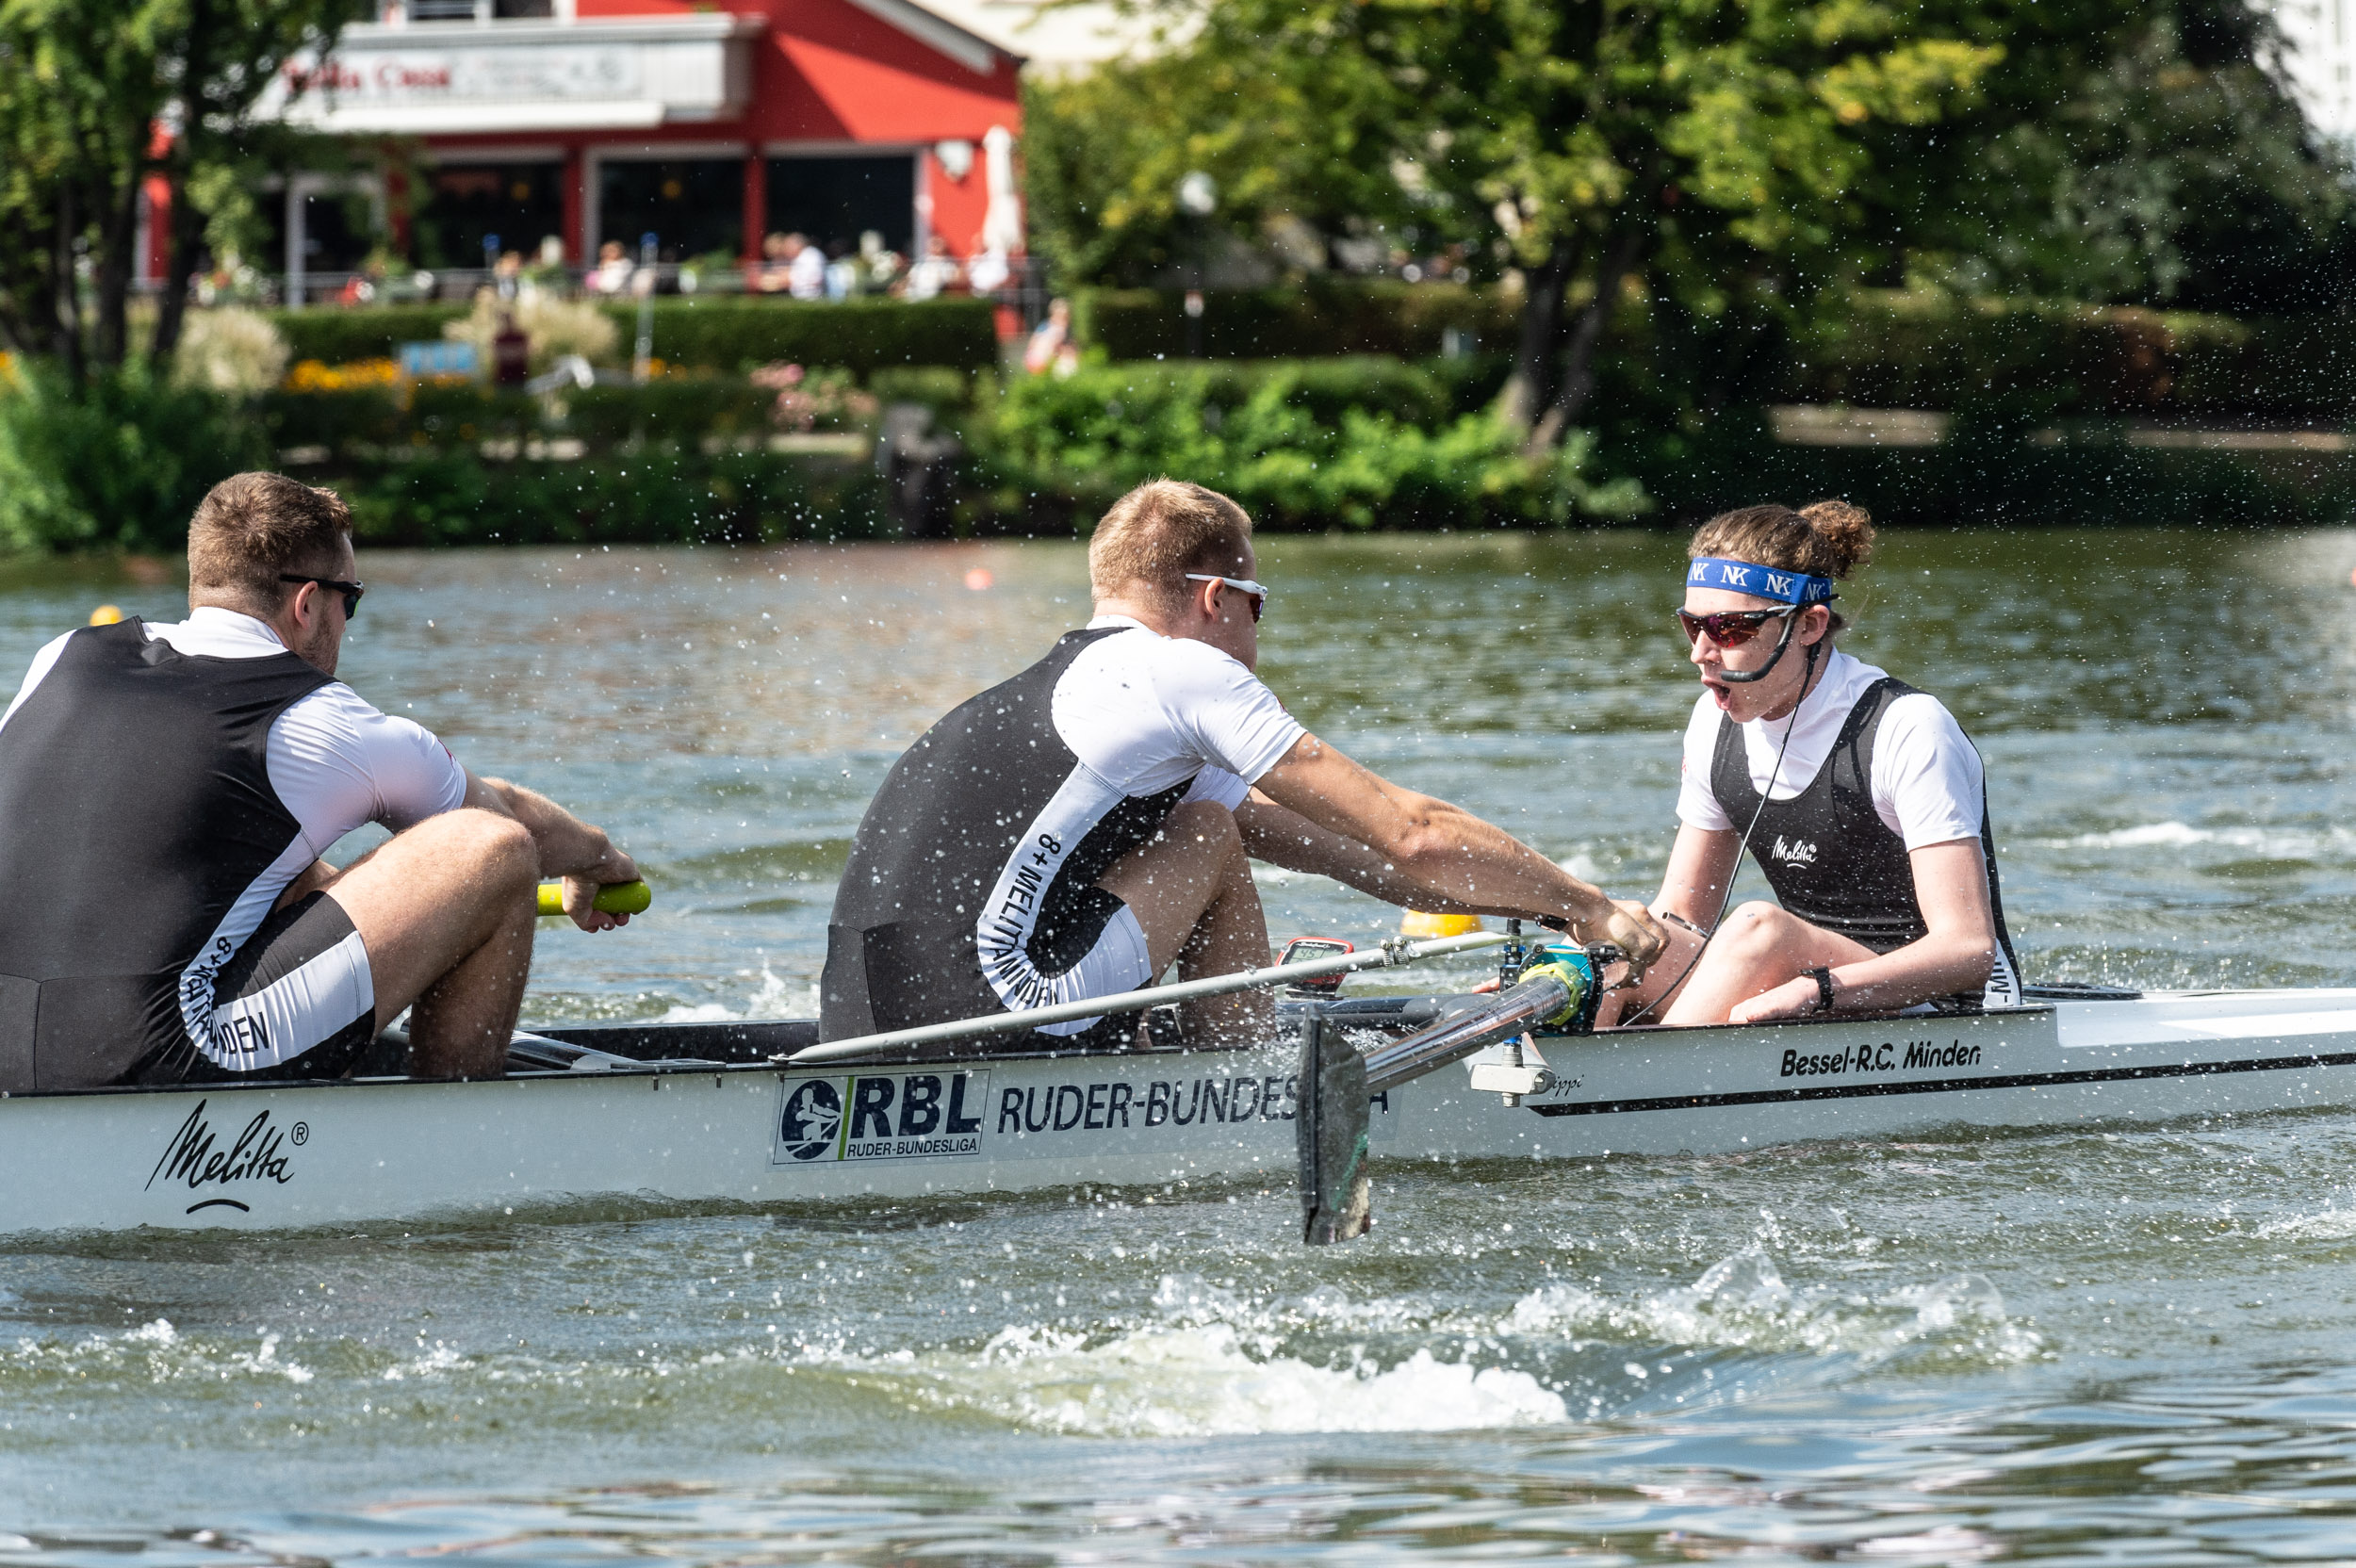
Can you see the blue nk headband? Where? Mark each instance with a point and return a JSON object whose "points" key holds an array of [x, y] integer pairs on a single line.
{"points": [[1766, 583]]}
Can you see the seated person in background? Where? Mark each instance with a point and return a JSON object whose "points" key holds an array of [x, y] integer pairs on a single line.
{"points": [[166, 792], [776, 272], [1051, 340], [805, 268], [613, 270], [1072, 831], [934, 272], [1865, 803]]}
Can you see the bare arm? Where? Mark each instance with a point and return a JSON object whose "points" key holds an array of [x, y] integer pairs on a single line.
{"points": [[1955, 955], [1701, 865], [1439, 848], [1287, 839], [570, 847]]}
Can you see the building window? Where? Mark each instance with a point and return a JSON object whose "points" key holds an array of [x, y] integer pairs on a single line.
{"points": [[833, 201], [692, 206], [520, 204], [480, 10]]}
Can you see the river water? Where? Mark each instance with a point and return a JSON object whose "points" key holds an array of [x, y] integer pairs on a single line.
{"points": [[2099, 1344]]}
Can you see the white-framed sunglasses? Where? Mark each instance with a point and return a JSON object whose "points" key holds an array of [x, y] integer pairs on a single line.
{"points": [[1241, 585]]}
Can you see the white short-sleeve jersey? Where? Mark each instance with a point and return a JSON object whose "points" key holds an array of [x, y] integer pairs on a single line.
{"points": [[1926, 776]]}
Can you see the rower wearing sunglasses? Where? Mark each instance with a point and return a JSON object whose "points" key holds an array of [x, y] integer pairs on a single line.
{"points": [[1860, 798], [1073, 831], [167, 793]]}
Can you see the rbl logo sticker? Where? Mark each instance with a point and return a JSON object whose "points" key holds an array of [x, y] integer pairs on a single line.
{"points": [[880, 1115]]}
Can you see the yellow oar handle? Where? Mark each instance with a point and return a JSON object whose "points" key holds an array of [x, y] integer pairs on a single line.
{"points": [[614, 898]]}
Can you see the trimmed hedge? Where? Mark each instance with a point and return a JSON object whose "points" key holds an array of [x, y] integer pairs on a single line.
{"points": [[863, 335], [1314, 318], [1990, 474], [1915, 350], [338, 337], [362, 425], [738, 498], [718, 334], [1885, 349]]}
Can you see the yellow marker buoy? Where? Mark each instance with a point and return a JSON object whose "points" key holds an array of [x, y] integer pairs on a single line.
{"points": [[106, 614], [1416, 923], [614, 898]]}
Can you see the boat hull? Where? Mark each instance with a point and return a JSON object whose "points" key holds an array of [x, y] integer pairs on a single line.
{"points": [[755, 1133]]}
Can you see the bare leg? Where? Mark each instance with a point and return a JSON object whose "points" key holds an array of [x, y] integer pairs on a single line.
{"points": [[1190, 889], [445, 912], [1760, 947], [1663, 983]]}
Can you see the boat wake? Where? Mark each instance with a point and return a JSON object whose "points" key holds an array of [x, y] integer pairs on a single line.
{"points": [[1209, 1363], [2281, 842]]}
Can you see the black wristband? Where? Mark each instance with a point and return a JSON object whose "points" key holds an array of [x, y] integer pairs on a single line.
{"points": [[1822, 976]]}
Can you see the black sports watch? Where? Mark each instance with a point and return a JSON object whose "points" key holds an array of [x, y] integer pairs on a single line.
{"points": [[1822, 976]]}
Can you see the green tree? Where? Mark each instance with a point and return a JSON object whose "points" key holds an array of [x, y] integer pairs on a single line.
{"points": [[1573, 139], [2177, 171], [97, 97]]}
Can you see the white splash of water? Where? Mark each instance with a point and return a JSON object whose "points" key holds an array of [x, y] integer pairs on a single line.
{"points": [[1742, 1302], [1204, 1381], [2287, 843], [772, 997]]}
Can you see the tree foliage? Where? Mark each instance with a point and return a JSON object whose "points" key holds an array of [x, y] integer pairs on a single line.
{"points": [[1719, 156], [96, 98]]}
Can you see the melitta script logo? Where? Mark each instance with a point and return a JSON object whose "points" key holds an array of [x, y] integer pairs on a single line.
{"points": [[880, 1115], [259, 1152], [1793, 853]]}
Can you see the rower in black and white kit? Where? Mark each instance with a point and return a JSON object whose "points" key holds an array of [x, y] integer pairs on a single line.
{"points": [[1860, 798], [1072, 831], [166, 795]]}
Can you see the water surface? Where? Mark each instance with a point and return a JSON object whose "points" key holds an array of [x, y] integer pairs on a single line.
{"points": [[2096, 1344]]}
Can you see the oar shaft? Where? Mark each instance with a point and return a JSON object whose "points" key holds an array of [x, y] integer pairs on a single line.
{"points": [[1390, 953]]}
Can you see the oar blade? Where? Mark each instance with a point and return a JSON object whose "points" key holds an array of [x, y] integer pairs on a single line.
{"points": [[1336, 1195]]}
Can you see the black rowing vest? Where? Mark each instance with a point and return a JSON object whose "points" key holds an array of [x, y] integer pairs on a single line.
{"points": [[1827, 852], [986, 826], [135, 807]]}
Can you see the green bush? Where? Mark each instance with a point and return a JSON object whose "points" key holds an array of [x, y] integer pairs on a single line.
{"points": [[1314, 318], [675, 409], [1990, 474], [739, 333], [719, 334], [343, 422], [120, 465], [1895, 350], [338, 337], [1363, 442], [741, 497]]}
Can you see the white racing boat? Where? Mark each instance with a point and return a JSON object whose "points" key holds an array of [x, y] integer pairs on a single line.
{"points": [[711, 1113]]}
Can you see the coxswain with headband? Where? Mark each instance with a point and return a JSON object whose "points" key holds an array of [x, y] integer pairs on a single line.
{"points": [[1860, 798]]}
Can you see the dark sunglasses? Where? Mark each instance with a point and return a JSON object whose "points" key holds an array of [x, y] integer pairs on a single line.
{"points": [[1241, 584], [1729, 628], [350, 590]]}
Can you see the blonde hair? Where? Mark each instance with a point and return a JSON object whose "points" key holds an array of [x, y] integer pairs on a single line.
{"points": [[252, 527], [1829, 538], [1161, 530]]}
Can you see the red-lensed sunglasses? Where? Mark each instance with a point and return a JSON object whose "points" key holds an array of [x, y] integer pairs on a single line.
{"points": [[1729, 628], [1241, 584]]}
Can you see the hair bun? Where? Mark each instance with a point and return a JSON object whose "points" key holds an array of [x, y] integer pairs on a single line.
{"points": [[1847, 531]]}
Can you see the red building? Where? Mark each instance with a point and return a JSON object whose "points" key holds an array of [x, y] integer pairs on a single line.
{"points": [[707, 126]]}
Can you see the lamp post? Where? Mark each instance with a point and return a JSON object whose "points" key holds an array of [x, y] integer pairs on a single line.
{"points": [[1198, 198]]}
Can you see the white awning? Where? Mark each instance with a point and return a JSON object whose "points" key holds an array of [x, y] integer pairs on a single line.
{"points": [[423, 79]]}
